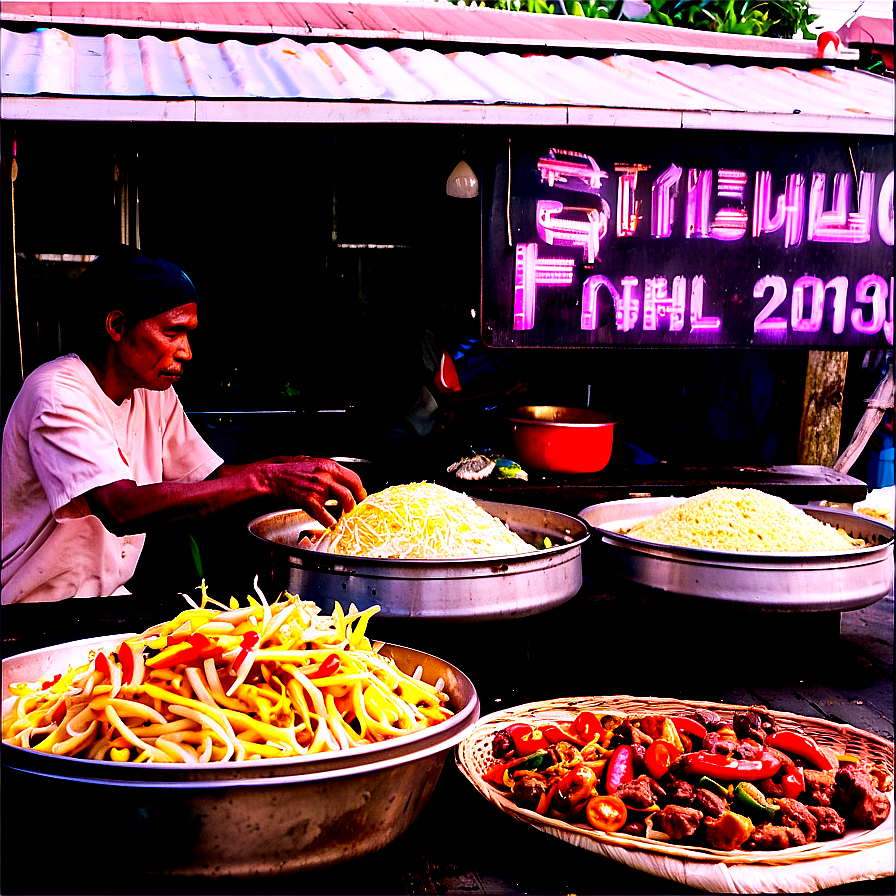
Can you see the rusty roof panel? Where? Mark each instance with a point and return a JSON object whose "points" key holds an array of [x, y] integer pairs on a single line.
{"points": [[51, 62]]}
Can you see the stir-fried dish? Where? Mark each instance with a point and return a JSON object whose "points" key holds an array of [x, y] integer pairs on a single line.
{"points": [[694, 779], [420, 521], [220, 683]]}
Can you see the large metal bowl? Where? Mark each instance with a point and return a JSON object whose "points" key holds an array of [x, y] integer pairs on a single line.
{"points": [[820, 582], [469, 590], [265, 817]]}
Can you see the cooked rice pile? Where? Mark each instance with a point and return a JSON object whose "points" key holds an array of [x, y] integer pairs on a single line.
{"points": [[733, 519], [421, 521]]}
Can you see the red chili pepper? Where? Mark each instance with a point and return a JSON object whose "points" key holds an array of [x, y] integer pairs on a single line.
{"points": [[495, 774], [659, 756], [555, 733], [794, 782], [526, 739], [101, 664], [691, 727], [250, 640], [802, 746], [205, 647], [48, 684], [620, 768], [58, 713], [722, 768], [587, 725], [327, 668]]}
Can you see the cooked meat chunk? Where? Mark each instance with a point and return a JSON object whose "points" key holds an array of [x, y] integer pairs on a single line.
{"points": [[636, 828], [819, 787], [679, 792], [830, 824], [640, 793], [678, 821], [719, 743], [754, 723], [856, 797], [628, 734], [729, 831], [528, 789], [770, 787], [775, 836], [502, 745], [793, 814], [710, 720], [710, 804]]}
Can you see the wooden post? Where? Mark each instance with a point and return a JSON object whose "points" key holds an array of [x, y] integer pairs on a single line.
{"points": [[882, 400], [822, 408]]}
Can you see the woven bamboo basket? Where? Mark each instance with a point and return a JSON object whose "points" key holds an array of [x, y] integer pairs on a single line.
{"points": [[474, 756]]}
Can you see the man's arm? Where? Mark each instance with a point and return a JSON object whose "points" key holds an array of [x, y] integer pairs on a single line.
{"points": [[126, 508]]}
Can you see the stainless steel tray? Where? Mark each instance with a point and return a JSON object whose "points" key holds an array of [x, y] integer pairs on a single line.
{"points": [[801, 582], [475, 589], [223, 819]]}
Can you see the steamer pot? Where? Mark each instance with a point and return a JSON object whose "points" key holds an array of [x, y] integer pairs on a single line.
{"points": [[475, 589], [561, 440], [796, 582], [225, 820]]}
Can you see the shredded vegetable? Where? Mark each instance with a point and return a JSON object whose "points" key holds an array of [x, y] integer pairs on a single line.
{"points": [[219, 684], [421, 521]]}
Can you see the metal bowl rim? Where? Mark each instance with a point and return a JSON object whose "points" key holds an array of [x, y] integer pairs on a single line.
{"points": [[453, 728], [433, 563], [643, 546]]}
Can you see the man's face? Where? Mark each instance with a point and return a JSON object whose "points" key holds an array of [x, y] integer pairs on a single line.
{"points": [[151, 354]]}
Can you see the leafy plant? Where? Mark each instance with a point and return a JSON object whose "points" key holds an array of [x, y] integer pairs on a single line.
{"points": [[770, 18]]}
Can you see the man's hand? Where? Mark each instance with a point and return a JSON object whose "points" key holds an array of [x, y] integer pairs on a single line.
{"points": [[309, 482]]}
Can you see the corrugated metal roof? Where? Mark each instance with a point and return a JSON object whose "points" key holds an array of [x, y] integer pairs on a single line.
{"points": [[111, 68], [405, 21]]}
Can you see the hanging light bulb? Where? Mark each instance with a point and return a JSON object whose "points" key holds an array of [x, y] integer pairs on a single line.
{"points": [[462, 182]]}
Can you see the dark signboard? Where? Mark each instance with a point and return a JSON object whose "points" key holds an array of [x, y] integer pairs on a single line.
{"points": [[612, 237]]}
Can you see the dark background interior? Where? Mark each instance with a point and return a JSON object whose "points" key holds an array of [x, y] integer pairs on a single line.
{"points": [[320, 254]]}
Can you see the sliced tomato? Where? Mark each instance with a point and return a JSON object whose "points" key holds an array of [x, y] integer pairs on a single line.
{"points": [[606, 813]]}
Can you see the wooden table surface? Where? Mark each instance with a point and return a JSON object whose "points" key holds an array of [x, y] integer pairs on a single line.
{"points": [[839, 668]]}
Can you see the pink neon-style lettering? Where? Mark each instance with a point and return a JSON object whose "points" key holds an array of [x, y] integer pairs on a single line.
{"points": [[559, 165], [696, 225], [554, 271], [662, 208], [840, 286], [870, 290], [885, 211], [732, 183], [888, 323], [698, 321], [628, 209], [786, 211], [764, 322], [591, 301], [838, 224], [815, 287], [524, 286], [679, 298], [627, 305], [567, 230]]}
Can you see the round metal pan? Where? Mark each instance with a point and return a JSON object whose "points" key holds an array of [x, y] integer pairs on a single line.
{"points": [[272, 816], [468, 590], [796, 582]]}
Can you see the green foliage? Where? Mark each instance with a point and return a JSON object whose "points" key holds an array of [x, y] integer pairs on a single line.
{"points": [[769, 18]]}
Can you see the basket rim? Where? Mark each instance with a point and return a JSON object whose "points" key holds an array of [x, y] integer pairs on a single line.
{"points": [[855, 840]]}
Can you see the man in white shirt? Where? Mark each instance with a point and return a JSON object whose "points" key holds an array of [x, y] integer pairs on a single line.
{"points": [[97, 448]]}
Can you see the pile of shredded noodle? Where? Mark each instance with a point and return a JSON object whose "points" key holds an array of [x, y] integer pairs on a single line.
{"points": [[421, 521], [731, 519], [229, 684]]}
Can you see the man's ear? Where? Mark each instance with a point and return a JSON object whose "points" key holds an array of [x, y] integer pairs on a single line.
{"points": [[115, 323]]}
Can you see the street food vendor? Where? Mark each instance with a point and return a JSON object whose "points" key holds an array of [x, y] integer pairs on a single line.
{"points": [[97, 448]]}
